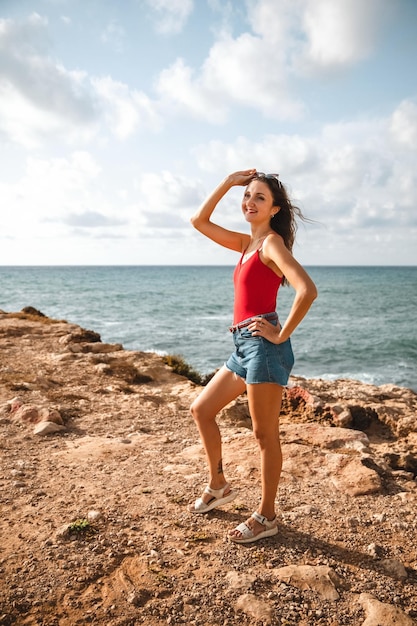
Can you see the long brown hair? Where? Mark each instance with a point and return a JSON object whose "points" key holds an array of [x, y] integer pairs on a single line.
{"points": [[284, 221]]}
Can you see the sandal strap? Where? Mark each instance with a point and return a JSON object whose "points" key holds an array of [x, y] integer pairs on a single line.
{"points": [[216, 493], [245, 530], [259, 518], [263, 520]]}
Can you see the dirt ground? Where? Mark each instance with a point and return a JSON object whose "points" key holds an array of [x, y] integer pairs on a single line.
{"points": [[94, 522]]}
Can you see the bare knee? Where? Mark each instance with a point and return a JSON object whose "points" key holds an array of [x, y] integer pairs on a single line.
{"points": [[194, 411], [265, 438], [198, 412]]}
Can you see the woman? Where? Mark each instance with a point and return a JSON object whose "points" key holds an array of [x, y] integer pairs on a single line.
{"points": [[263, 358]]}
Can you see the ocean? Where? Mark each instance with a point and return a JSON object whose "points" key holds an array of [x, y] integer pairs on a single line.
{"points": [[362, 325]]}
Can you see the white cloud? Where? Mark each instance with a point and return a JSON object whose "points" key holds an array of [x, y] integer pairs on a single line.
{"points": [[404, 124], [167, 200], [41, 100], [339, 34], [255, 69], [170, 16], [39, 97], [125, 110], [91, 219], [248, 71], [47, 84], [26, 123], [181, 92], [357, 178], [64, 198], [48, 191], [350, 175]]}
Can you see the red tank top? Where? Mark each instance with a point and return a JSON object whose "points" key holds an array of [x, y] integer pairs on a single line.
{"points": [[256, 288]]}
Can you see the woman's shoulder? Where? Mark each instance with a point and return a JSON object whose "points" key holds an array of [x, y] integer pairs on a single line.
{"points": [[273, 238], [273, 247]]}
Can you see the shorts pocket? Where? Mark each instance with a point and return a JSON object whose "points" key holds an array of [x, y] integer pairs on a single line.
{"points": [[286, 355]]}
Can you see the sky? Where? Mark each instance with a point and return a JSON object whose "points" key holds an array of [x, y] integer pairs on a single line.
{"points": [[117, 119]]}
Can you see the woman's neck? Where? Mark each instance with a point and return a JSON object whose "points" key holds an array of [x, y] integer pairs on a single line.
{"points": [[257, 235]]}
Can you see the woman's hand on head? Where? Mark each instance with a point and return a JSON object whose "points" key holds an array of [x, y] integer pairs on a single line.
{"points": [[242, 177]]}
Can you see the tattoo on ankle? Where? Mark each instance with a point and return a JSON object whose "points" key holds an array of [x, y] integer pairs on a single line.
{"points": [[220, 467]]}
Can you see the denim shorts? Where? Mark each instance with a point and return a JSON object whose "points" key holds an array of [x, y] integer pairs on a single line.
{"points": [[257, 360]]}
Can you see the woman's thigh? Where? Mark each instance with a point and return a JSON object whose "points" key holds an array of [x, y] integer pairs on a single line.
{"points": [[224, 387], [264, 400]]}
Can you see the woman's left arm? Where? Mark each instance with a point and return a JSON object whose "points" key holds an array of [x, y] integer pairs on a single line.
{"points": [[275, 252]]}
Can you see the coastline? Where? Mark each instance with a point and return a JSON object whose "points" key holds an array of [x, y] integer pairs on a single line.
{"points": [[127, 460], [150, 308]]}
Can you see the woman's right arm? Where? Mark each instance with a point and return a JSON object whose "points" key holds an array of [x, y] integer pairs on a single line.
{"points": [[201, 220]]}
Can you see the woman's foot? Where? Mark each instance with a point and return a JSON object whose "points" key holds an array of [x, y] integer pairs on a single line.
{"points": [[256, 527], [212, 498]]}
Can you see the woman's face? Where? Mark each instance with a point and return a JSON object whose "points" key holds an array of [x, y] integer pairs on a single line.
{"points": [[258, 203]]}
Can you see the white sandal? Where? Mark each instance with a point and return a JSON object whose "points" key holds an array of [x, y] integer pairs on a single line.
{"points": [[248, 536], [218, 498]]}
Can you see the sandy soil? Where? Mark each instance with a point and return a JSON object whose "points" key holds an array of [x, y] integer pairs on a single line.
{"points": [[94, 524]]}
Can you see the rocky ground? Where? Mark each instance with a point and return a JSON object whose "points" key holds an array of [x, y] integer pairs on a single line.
{"points": [[100, 457]]}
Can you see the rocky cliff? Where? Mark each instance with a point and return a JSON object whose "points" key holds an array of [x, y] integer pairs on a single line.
{"points": [[100, 457]]}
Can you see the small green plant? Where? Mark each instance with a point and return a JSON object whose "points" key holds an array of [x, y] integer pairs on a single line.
{"points": [[181, 367], [80, 526]]}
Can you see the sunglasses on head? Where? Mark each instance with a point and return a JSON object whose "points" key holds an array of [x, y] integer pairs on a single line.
{"points": [[270, 176]]}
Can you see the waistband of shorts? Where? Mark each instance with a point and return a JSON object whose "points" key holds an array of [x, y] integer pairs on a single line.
{"points": [[268, 316]]}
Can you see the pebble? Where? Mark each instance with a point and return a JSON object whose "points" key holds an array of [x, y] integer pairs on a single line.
{"points": [[93, 515], [374, 550], [394, 568]]}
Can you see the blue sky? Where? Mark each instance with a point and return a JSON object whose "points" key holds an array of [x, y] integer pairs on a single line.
{"points": [[117, 119]]}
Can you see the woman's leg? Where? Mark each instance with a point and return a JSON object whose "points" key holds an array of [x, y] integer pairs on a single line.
{"points": [[264, 401], [224, 387]]}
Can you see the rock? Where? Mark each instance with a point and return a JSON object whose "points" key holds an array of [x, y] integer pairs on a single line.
{"points": [[342, 418], [30, 310], [47, 428], [80, 335], [47, 414], [394, 568], [298, 394], [102, 347], [62, 533], [240, 580], [139, 597], [374, 551], [328, 437], [320, 578], [94, 516], [351, 476], [28, 413], [15, 404], [33, 414], [380, 614], [258, 610]]}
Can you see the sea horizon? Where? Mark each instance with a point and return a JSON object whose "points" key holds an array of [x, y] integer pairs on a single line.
{"points": [[80, 265], [358, 328]]}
